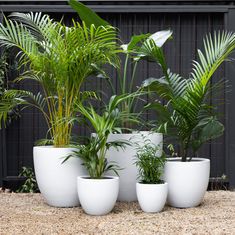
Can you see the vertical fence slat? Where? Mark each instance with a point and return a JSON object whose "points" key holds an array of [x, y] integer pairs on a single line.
{"points": [[230, 110], [3, 163]]}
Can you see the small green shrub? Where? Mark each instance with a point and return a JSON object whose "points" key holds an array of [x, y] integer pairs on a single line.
{"points": [[30, 185], [149, 165]]}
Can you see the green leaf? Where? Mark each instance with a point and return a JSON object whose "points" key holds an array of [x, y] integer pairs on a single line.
{"points": [[158, 85], [135, 40], [87, 15], [163, 113], [212, 130], [208, 128]]}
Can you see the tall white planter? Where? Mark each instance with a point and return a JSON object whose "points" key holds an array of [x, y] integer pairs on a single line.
{"points": [[187, 181], [56, 181], [126, 158], [97, 196]]}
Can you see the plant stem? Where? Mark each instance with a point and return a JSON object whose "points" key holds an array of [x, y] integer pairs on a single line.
{"points": [[125, 75]]}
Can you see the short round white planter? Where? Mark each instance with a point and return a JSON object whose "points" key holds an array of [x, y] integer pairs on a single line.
{"points": [[187, 181], [151, 197], [57, 181], [125, 158], [97, 196]]}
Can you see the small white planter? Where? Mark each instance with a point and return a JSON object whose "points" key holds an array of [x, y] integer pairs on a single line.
{"points": [[187, 181], [57, 181], [151, 197], [97, 196], [125, 158]]}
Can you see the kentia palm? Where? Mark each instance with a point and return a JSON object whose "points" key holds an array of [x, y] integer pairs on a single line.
{"points": [[188, 117], [59, 58]]}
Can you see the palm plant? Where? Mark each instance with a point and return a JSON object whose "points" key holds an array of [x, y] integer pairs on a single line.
{"points": [[59, 58], [93, 153], [150, 166], [133, 51], [187, 115]]}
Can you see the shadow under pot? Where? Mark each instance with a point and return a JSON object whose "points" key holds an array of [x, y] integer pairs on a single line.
{"points": [[57, 181], [187, 181], [97, 196]]}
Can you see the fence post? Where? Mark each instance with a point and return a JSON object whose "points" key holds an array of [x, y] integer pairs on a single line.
{"points": [[2, 156], [230, 107]]}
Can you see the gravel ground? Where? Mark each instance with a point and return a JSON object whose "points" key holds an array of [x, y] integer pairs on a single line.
{"points": [[28, 214]]}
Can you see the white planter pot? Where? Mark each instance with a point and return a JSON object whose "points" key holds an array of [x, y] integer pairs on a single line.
{"points": [[97, 196], [57, 181], [187, 181], [125, 158], [151, 197]]}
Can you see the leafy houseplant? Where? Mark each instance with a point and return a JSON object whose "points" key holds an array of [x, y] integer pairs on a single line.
{"points": [[93, 154], [188, 117], [151, 189], [60, 59], [149, 166], [133, 52]]}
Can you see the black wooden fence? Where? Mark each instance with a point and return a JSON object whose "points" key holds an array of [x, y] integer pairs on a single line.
{"points": [[189, 20]]}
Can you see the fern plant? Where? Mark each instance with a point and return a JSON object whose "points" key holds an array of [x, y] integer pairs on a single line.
{"points": [[186, 114], [59, 58]]}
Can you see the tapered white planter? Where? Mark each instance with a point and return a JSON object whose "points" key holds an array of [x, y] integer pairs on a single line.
{"points": [[151, 197], [187, 181], [125, 158], [56, 181], [97, 196]]}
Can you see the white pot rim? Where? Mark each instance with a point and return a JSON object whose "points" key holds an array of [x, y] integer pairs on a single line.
{"points": [[152, 185], [107, 177], [137, 133], [195, 160], [51, 147]]}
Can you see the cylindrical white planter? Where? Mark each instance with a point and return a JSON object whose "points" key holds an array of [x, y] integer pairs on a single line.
{"points": [[57, 181], [151, 197], [187, 181], [97, 196], [125, 158]]}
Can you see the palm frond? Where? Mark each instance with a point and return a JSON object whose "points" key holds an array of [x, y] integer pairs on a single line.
{"points": [[60, 58], [12, 99], [187, 115], [37, 23]]}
